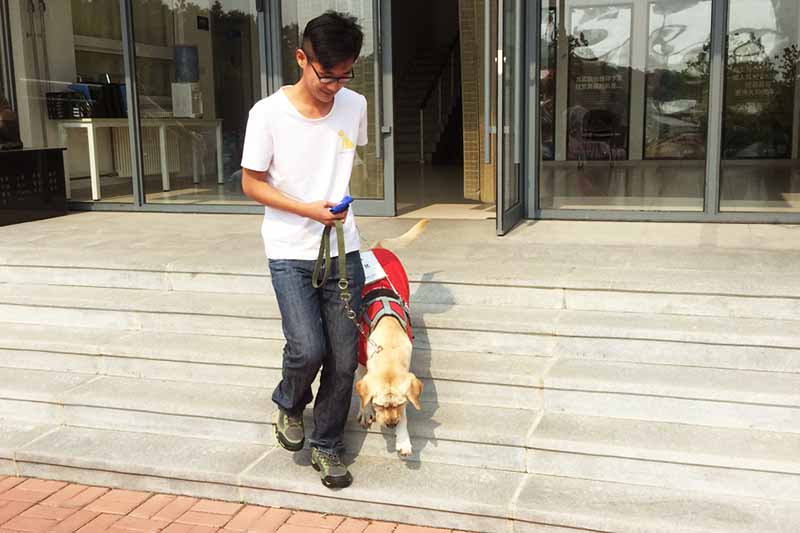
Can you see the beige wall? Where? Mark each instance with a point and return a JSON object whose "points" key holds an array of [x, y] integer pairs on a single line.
{"points": [[479, 177]]}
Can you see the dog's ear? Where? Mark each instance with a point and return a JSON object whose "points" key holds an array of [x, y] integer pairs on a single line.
{"points": [[414, 391], [362, 388]]}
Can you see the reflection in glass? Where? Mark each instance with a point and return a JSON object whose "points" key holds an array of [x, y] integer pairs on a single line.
{"points": [[599, 89], [678, 64], [198, 75], [760, 135], [366, 180], [66, 82], [624, 109], [547, 82]]}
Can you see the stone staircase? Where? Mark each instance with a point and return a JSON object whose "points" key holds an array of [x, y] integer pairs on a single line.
{"points": [[596, 401]]}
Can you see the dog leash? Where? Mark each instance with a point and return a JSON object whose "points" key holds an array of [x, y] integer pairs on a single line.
{"points": [[324, 257]]}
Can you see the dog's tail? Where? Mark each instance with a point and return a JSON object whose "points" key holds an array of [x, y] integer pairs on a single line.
{"points": [[405, 239]]}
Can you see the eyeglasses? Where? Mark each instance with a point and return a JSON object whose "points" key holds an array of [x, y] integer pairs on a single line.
{"points": [[330, 79]]}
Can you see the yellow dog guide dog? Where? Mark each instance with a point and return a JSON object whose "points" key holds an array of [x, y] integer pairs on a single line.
{"points": [[386, 383]]}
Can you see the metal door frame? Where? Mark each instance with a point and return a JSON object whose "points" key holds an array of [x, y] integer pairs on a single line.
{"points": [[509, 216]]}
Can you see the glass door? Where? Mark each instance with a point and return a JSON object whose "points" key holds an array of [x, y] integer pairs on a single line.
{"points": [[372, 180], [510, 55]]}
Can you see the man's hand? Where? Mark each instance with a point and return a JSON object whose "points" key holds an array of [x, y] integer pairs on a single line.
{"points": [[320, 211], [255, 186]]}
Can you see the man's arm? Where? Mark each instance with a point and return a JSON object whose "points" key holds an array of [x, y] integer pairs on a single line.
{"points": [[255, 186]]}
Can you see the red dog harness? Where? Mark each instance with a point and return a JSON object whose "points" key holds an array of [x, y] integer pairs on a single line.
{"points": [[387, 296]]}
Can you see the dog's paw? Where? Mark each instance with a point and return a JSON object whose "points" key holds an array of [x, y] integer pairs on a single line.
{"points": [[404, 449], [365, 419]]}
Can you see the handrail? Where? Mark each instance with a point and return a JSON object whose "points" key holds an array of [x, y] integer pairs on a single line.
{"points": [[439, 72]]}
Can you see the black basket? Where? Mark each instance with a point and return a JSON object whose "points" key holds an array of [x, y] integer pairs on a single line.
{"points": [[68, 105]]}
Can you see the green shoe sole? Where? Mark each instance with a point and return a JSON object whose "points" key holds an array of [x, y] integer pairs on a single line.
{"points": [[341, 482], [285, 444]]}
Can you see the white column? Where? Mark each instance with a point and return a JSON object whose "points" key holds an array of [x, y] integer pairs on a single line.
{"points": [[195, 163], [220, 176], [62, 138], [162, 143], [94, 169]]}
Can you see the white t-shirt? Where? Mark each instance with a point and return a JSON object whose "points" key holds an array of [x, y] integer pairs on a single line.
{"points": [[307, 160]]}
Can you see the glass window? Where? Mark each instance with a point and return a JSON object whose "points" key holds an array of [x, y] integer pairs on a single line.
{"points": [[68, 70], [366, 180], [624, 108], [198, 75], [761, 112]]}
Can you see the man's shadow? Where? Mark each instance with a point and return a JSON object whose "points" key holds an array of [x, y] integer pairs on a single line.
{"points": [[422, 425]]}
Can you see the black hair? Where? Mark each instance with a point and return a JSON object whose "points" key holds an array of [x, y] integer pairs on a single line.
{"points": [[333, 38]]}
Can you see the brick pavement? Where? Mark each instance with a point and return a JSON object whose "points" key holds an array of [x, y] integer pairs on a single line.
{"points": [[44, 506]]}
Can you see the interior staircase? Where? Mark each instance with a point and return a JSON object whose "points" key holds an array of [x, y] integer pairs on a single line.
{"points": [[426, 96], [592, 399]]}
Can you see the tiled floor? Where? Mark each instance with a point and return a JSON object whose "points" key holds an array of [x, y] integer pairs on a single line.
{"points": [[44, 506]]}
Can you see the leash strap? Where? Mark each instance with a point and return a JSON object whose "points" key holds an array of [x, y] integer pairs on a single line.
{"points": [[324, 257]]}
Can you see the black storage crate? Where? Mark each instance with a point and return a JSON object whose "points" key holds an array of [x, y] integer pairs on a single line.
{"points": [[67, 105]]}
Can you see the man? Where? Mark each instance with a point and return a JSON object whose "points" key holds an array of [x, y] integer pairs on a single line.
{"points": [[297, 159]]}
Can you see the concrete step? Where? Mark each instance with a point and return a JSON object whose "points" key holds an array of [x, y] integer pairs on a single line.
{"points": [[741, 462], [679, 293], [495, 379], [744, 399], [440, 432], [257, 316], [440, 495]]}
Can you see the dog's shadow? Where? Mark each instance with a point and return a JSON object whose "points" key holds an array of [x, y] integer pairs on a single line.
{"points": [[423, 424]]}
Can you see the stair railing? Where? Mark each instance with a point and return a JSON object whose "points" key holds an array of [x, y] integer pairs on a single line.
{"points": [[440, 97]]}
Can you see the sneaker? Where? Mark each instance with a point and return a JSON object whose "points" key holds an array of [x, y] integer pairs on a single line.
{"points": [[289, 431], [332, 470]]}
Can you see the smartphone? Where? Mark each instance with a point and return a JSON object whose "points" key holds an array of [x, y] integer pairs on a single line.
{"points": [[341, 206]]}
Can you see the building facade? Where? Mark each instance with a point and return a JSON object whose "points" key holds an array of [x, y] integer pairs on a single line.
{"points": [[683, 110]]}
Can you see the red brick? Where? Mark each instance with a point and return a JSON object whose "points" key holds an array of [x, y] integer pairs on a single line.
{"points": [[302, 518], [404, 528], [64, 494], [18, 494], [245, 518], [10, 482], [380, 527], [152, 506], [118, 501], [203, 529], [86, 497], [351, 525], [217, 507], [131, 523], [22, 523], [43, 485], [175, 509], [292, 528], [100, 523], [49, 513], [203, 519], [12, 509], [175, 527], [74, 522], [270, 521]]}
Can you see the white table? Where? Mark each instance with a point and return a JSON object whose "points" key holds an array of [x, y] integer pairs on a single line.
{"points": [[91, 125]]}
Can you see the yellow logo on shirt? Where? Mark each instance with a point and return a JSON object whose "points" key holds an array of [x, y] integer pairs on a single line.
{"points": [[347, 144]]}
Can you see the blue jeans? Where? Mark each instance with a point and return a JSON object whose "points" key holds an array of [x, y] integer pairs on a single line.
{"points": [[318, 335]]}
